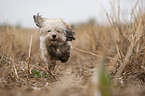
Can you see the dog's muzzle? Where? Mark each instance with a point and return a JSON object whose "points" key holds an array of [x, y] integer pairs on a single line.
{"points": [[54, 37]]}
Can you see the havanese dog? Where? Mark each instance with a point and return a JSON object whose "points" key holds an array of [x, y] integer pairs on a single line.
{"points": [[55, 37]]}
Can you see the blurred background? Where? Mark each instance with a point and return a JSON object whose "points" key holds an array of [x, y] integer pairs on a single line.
{"points": [[108, 57], [20, 12]]}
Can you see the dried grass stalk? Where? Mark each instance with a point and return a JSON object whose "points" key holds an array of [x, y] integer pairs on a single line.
{"points": [[28, 61]]}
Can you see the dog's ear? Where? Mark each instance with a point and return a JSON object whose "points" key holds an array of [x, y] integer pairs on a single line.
{"points": [[70, 35], [69, 32], [38, 20]]}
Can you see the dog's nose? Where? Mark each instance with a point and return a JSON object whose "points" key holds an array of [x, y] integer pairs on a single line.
{"points": [[54, 36]]}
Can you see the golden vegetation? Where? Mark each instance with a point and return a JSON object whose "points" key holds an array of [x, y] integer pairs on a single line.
{"points": [[117, 50]]}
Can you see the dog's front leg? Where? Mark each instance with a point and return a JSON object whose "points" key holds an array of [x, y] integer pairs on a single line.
{"points": [[50, 63], [51, 66], [65, 52], [46, 57]]}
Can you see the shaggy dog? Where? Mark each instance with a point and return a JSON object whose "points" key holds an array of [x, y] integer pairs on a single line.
{"points": [[55, 37]]}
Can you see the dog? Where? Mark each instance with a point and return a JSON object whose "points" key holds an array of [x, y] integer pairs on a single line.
{"points": [[55, 37]]}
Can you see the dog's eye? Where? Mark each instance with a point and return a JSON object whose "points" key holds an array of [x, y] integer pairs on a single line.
{"points": [[58, 31], [49, 31]]}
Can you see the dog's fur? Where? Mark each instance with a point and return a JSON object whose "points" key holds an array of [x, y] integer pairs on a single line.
{"points": [[55, 37]]}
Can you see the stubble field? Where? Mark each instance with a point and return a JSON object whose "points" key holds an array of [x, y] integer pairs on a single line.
{"points": [[107, 60]]}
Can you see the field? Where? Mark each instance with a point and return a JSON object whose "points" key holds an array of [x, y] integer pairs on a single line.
{"points": [[107, 60]]}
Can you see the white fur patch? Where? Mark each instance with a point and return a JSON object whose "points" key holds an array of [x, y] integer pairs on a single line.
{"points": [[53, 24]]}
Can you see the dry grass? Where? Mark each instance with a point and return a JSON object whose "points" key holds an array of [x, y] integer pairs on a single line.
{"points": [[118, 48]]}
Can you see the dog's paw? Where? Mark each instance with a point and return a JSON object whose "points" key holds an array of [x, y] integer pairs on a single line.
{"points": [[64, 58]]}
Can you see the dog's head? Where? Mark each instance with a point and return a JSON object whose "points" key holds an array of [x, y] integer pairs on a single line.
{"points": [[53, 31]]}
